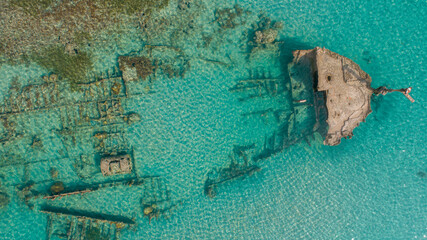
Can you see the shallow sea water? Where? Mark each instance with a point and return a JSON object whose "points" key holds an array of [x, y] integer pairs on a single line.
{"points": [[369, 187]]}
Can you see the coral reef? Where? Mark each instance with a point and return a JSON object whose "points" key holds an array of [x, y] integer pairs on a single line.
{"points": [[265, 33], [265, 36], [229, 17]]}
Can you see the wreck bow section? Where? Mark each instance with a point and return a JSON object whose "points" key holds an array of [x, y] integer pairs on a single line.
{"points": [[347, 90]]}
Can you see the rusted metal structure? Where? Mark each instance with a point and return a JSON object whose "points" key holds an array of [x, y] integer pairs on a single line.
{"points": [[346, 87], [113, 165]]}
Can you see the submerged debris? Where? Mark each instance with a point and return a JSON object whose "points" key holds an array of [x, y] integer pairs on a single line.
{"points": [[257, 87], [151, 211], [61, 195], [239, 167], [405, 91], [94, 187], [57, 187], [112, 219], [85, 166], [156, 201], [168, 60], [113, 165], [232, 172], [52, 78], [157, 209]]}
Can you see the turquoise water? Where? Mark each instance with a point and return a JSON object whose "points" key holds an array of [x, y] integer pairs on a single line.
{"points": [[369, 187]]}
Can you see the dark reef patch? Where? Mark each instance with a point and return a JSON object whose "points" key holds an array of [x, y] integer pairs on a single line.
{"points": [[4, 200], [229, 17], [72, 67], [142, 65]]}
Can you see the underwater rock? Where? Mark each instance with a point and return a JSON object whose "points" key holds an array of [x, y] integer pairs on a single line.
{"points": [[4, 200], [116, 88], [265, 36], [57, 187], [347, 90], [134, 68], [132, 118]]}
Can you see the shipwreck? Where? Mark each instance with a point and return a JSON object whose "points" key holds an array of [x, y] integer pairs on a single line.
{"points": [[345, 87]]}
